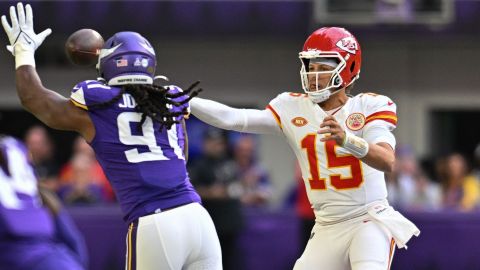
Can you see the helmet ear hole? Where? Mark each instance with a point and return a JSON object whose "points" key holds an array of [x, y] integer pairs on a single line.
{"points": [[337, 80], [352, 66]]}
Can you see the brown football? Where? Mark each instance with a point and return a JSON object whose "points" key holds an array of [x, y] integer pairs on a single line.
{"points": [[83, 47]]}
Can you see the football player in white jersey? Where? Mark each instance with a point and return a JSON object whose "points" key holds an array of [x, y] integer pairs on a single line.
{"points": [[344, 145]]}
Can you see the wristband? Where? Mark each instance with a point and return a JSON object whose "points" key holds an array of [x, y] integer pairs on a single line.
{"points": [[357, 146], [24, 56]]}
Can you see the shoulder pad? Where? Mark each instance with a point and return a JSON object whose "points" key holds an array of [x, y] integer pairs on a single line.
{"points": [[379, 107], [91, 92]]}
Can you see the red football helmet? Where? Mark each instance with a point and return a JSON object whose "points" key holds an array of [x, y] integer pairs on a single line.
{"points": [[331, 44]]}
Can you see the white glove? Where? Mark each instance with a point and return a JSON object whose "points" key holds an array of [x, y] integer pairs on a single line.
{"points": [[23, 40]]}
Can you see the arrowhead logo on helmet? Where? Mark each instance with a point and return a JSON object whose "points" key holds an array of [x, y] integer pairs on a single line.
{"points": [[332, 43], [348, 44]]}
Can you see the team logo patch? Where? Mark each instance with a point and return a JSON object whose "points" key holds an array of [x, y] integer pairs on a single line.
{"points": [[348, 44], [299, 121], [355, 121]]}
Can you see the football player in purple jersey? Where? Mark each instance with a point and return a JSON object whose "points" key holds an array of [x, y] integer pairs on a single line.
{"points": [[35, 231], [136, 130]]}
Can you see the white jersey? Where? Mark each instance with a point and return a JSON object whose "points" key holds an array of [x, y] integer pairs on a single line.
{"points": [[339, 186]]}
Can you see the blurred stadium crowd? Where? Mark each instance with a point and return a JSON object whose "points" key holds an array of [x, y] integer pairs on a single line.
{"points": [[228, 168], [232, 181]]}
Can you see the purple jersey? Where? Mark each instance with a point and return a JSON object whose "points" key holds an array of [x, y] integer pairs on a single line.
{"points": [[145, 166], [21, 210]]}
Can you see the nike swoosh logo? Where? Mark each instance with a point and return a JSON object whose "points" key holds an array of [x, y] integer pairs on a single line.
{"points": [[389, 103], [107, 52]]}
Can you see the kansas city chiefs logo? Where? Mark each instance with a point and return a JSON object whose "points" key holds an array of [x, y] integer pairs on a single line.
{"points": [[348, 44]]}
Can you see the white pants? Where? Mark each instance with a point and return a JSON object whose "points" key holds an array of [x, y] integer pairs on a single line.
{"points": [[183, 238], [357, 244]]}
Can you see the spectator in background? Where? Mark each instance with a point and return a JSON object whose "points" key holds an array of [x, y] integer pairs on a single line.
{"points": [[36, 233], [460, 192], [80, 146], [476, 163], [41, 151], [408, 186], [82, 188], [253, 183], [213, 175]]}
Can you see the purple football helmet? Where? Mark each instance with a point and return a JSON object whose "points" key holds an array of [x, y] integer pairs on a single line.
{"points": [[127, 58]]}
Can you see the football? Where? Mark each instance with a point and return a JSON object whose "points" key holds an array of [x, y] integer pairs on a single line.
{"points": [[83, 47]]}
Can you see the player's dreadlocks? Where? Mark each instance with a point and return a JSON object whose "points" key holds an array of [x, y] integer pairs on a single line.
{"points": [[3, 157], [153, 100]]}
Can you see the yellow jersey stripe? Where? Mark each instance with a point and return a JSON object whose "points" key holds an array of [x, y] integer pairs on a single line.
{"points": [[276, 116], [79, 105]]}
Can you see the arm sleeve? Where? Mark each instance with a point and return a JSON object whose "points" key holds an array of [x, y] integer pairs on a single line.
{"points": [[242, 120]]}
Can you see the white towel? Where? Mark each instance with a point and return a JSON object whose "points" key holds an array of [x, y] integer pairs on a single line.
{"points": [[399, 226]]}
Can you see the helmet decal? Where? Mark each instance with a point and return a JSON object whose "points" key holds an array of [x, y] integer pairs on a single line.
{"points": [[127, 58], [147, 47], [107, 52], [332, 44], [348, 44]]}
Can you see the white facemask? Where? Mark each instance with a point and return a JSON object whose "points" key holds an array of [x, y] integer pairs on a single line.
{"points": [[332, 59]]}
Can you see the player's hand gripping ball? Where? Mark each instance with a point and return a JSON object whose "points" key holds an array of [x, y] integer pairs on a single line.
{"points": [[83, 47]]}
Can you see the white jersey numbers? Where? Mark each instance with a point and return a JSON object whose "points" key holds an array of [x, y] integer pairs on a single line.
{"points": [[126, 121], [22, 181]]}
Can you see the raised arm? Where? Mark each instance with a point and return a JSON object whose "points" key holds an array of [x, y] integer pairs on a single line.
{"points": [[242, 120], [48, 106]]}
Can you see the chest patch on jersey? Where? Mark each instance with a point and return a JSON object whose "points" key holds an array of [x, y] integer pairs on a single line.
{"points": [[355, 121], [299, 121]]}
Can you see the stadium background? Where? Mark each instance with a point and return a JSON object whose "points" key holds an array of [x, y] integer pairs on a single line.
{"points": [[424, 54]]}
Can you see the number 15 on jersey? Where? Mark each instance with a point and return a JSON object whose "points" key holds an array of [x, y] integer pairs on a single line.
{"points": [[333, 160]]}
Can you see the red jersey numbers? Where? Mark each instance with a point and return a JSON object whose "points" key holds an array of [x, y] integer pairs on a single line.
{"points": [[308, 142], [333, 160]]}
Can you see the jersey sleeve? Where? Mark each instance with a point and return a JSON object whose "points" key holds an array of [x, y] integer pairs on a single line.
{"points": [[275, 106], [380, 110], [381, 119], [88, 93]]}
